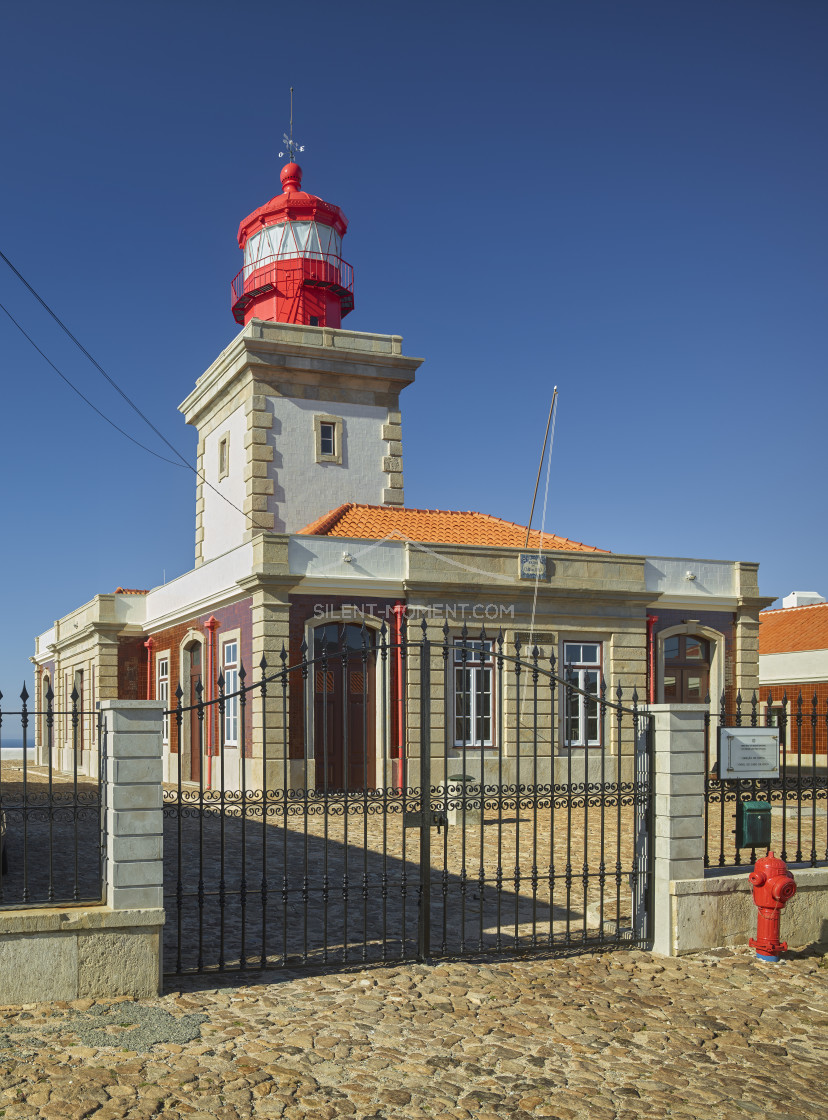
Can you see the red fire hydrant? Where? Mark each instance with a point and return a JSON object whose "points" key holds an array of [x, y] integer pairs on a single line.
{"points": [[773, 886]]}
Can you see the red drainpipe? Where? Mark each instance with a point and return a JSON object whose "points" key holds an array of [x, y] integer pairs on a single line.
{"points": [[651, 691], [211, 625], [148, 645], [399, 694]]}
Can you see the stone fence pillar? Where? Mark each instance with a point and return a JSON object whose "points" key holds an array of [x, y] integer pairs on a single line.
{"points": [[70, 952], [134, 804], [680, 759]]}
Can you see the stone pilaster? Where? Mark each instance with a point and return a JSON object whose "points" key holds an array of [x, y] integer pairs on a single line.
{"points": [[105, 656], [258, 453], [271, 632], [746, 637], [269, 587], [746, 651], [392, 464], [199, 534]]}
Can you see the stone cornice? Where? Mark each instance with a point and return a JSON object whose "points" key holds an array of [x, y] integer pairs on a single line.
{"points": [[288, 356], [364, 589], [670, 602], [266, 579], [760, 602], [110, 630], [526, 590]]}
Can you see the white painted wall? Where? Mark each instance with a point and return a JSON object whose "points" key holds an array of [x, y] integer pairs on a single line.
{"points": [[130, 608], [199, 589], [802, 599], [224, 524], [305, 489], [323, 559], [715, 579], [802, 665]]}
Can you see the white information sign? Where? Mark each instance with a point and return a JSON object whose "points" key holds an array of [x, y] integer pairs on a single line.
{"points": [[748, 752]]}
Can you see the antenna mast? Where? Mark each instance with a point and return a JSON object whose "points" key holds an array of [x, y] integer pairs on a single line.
{"points": [[540, 465], [291, 147]]}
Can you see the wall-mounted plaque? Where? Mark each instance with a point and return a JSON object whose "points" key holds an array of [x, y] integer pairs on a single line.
{"points": [[748, 752], [532, 566]]}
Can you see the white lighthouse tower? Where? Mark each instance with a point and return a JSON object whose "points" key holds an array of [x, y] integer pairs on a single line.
{"points": [[297, 415]]}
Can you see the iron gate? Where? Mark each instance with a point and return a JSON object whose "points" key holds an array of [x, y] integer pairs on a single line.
{"points": [[384, 800]]}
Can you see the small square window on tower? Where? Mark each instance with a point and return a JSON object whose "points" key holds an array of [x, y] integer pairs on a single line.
{"points": [[328, 436]]}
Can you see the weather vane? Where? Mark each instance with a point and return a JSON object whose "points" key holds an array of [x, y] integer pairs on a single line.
{"points": [[291, 148]]}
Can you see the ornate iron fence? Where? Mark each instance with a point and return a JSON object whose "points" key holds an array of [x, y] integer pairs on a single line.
{"points": [[408, 798], [52, 804], [798, 797]]}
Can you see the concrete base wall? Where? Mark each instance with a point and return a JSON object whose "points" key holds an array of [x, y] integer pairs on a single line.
{"points": [[76, 953], [705, 913]]}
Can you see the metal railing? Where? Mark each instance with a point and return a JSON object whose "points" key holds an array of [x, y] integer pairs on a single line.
{"points": [[51, 805], [798, 797], [324, 270]]}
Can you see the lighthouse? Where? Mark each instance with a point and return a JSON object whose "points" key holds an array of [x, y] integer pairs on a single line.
{"points": [[293, 268], [298, 416]]}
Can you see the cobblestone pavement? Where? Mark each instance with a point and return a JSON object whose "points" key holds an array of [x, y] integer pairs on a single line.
{"points": [[605, 1037]]}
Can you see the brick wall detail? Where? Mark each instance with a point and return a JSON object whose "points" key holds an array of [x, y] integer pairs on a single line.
{"points": [[236, 616], [814, 727]]}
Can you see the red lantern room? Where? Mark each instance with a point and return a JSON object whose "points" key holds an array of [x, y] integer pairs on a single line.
{"points": [[293, 268]]}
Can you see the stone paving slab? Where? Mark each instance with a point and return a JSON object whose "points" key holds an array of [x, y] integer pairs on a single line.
{"points": [[616, 1036]]}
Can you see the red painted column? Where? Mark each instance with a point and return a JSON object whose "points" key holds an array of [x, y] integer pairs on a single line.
{"points": [[149, 645], [398, 749], [211, 625], [651, 690]]}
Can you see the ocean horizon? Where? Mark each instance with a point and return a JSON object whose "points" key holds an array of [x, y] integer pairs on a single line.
{"points": [[15, 744]]}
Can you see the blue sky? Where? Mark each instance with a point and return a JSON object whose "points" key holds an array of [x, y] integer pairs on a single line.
{"points": [[625, 198]]}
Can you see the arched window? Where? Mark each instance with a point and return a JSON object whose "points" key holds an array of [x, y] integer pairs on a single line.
{"points": [[686, 669]]}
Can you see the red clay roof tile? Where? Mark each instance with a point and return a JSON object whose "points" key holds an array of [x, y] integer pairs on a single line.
{"points": [[789, 629], [434, 526]]}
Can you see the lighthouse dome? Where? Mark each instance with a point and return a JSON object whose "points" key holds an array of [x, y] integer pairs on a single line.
{"points": [[293, 268]]}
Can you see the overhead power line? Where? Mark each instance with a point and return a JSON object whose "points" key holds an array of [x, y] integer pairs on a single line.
{"points": [[182, 461], [85, 399], [94, 362]]}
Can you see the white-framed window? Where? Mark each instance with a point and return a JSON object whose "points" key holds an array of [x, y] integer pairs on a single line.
{"points": [[230, 669], [328, 432], [327, 438], [473, 694], [162, 693], [582, 668]]}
